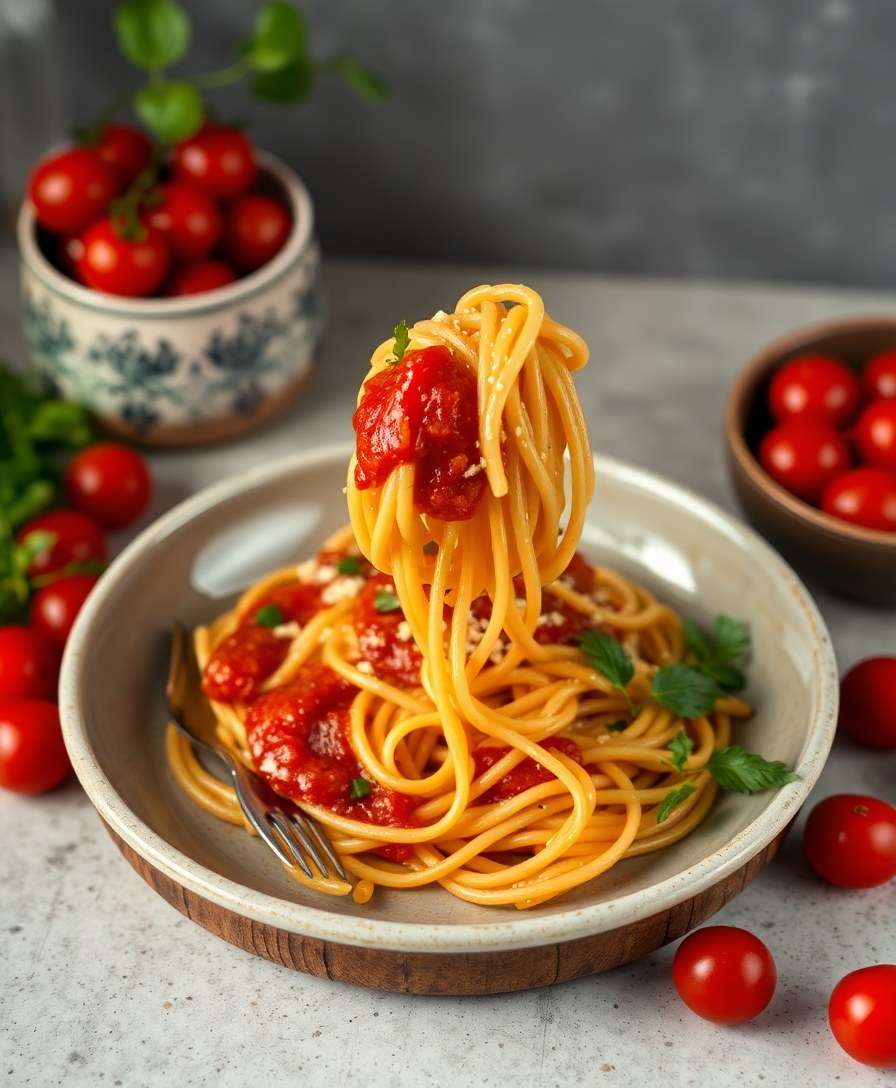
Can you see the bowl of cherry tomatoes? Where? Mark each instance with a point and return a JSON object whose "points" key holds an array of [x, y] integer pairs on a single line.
{"points": [[175, 294], [811, 432]]}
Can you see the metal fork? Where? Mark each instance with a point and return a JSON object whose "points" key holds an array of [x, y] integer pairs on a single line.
{"points": [[293, 838]]}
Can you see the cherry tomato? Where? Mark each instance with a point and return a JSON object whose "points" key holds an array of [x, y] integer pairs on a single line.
{"points": [[868, 702], [879, 376], [194, 279], [55, 607], [78, 540], [803, 455], [118, 266], [850, 840], [188, 218], [876, 434], [863, 496], [71, 189], [219, 160], [32, 754], [815, 386], [862, 1015], [255, 230], [29, 665], [126, 149], [724, 974], [110, 483]]}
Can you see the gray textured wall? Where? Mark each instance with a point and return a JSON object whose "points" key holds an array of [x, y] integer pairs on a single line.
{"points": [[696, 137]]}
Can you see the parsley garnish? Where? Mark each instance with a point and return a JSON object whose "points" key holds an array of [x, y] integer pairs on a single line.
{"points": [[617, 727], [348, 564], [360, 787], [402, 339], [684, 690], [736, 769], [672, 800], [717, 654], [430, 547], [680, 748], [610, 659], [270, 616], [386, 601]]}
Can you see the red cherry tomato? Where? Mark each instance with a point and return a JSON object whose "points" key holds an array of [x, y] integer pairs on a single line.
{"points": [[29, 665], [117, 266], [803, 455], [879, 376], [55, 607], [815, 386], [110, 483], [188, 218], [255, 230], [724, 974], [219, 160], [863, 496], [32, 754], [71, 189], [78, 540], [868, 702], [126, 149], [862, 1015], [876, 434], [194, 279], [850, 840]]}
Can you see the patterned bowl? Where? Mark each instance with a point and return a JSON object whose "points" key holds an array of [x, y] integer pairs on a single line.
{"points": [[180, 371]]}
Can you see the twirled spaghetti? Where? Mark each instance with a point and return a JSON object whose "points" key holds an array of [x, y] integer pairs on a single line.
{"points": [[419, 688]]}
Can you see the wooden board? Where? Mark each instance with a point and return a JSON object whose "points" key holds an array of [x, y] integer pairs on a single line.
{"points": [[451, 973]]}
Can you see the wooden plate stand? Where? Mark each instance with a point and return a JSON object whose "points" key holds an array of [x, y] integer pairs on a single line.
{"points": [[450, 972]]}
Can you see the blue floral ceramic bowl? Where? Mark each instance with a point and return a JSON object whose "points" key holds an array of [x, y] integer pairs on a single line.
{"points": [[178, 371]]}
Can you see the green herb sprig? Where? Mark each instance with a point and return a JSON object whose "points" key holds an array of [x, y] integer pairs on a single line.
{"points": [[720, 653], [384, 601], [402, 339]]}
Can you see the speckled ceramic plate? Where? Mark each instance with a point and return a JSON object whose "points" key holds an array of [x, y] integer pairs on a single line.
{"points": [[189, 565]]}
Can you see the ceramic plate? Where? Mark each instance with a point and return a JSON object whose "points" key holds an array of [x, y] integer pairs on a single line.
{"points": [[191, 563]]}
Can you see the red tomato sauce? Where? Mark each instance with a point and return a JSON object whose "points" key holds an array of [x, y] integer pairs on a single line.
{"points": [[423, 410], [394, 659], [299, 740], [524, 775]]}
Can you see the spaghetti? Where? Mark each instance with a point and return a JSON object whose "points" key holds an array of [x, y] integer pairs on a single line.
{"points": [[419, 687]]}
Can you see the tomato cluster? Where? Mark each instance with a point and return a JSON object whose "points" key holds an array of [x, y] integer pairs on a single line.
{"points": [[107, 485], [123, 224], [834, 439]]}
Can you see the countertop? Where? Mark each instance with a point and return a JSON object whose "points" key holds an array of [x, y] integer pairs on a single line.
{"points": [[102, 983]]}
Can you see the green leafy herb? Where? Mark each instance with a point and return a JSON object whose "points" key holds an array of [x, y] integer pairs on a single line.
{"points": [[684, 690], [152, 34], [718, 655], [680, 747], [172, 109], [270, 616], [402, 339], [609, 658], [368, 84], [279, 37], [736, 769], [386, 601], [349, 564], [618, 727], [672, 800], [286, 85], [360, 787], [430, 548]]}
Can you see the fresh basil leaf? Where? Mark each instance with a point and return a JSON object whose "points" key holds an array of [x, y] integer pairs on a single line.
{"points": [[271, 615], [349, 564], [152, 34], [360, 787], [287, 85], [736, 769], [386, 601], [672, 800], [368, 84], [608, 657], [684, 690], [171, 110], [61, 422], [680, 747], [280, 37], [732, 638]]}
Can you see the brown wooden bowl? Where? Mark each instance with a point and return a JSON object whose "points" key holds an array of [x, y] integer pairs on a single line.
{"points": [[848, 559]]}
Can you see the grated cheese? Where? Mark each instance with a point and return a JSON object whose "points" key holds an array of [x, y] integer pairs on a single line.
{"points": [[342, 589]]}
